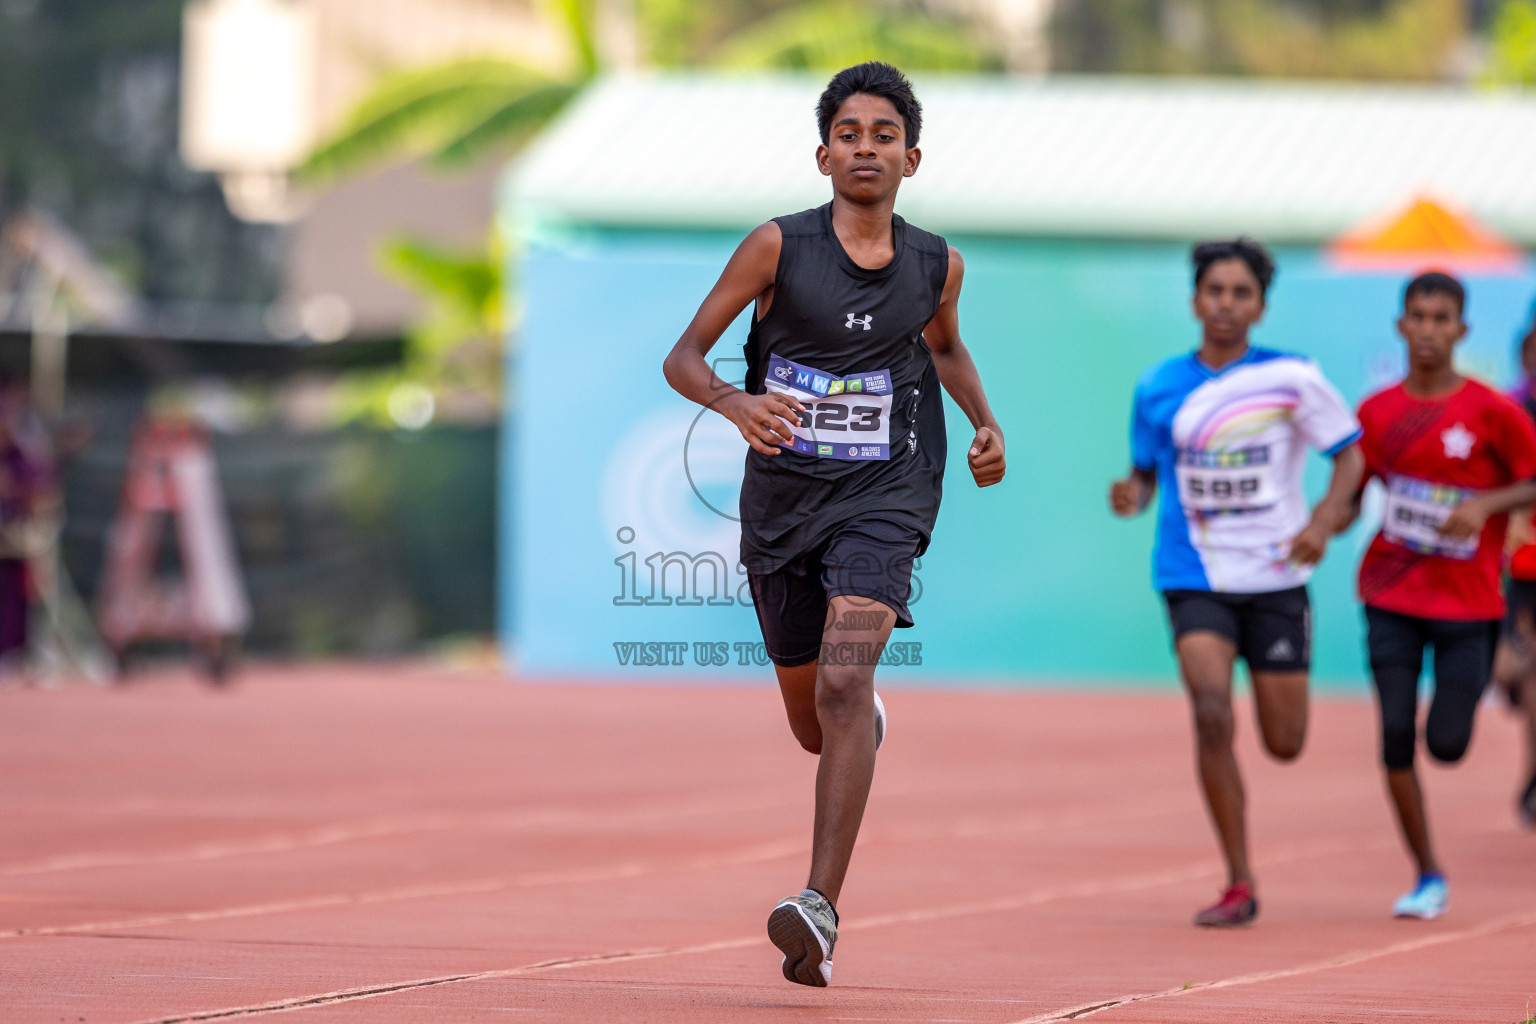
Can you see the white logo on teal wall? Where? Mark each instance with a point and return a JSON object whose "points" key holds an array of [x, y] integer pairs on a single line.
{"points": [[646, 483]]}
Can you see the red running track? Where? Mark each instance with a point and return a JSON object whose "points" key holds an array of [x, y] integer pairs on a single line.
{"points": [[400, 845]]}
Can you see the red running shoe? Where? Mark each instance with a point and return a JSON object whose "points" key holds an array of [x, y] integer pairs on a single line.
{"points": [[1237, 907]]}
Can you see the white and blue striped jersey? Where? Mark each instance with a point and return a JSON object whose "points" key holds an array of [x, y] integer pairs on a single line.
{"points": [[1229, 447]]}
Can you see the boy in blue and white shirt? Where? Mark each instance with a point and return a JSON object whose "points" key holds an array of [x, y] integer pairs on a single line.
{"points": [[1224, 431]]}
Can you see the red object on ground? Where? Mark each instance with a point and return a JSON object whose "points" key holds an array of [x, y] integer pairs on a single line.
{"points": [[397, 845]]}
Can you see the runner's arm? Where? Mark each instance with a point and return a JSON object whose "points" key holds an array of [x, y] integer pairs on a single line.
{"points": [[750, 273], [1129, 496], [1520, 530], [1467, 519], [1337, 509], [957, 372], [1356, 500], [1351, 513]]}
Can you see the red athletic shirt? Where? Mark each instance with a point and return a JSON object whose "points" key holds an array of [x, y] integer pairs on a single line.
{"points": [[1432, 455], [1522, 562]]}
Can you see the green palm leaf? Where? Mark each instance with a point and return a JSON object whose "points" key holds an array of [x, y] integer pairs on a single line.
{"points": [[507, 125], [463, 285], [422, 111], [579, 20], [835, 35], [1512, 60]]}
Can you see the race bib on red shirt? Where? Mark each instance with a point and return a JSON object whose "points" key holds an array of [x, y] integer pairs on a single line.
{"points": [[1415, 511]]}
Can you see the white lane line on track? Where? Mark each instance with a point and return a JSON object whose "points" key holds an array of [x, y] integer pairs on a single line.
{"points": [[1046, 894], [394, 825], [756, 853], [373, 991], [967, 828], [1108, 886], [1073, 1013], [386, 826]]}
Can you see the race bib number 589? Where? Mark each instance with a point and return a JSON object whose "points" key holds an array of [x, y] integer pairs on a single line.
{"points": [[1229, 481], [846, 418]]}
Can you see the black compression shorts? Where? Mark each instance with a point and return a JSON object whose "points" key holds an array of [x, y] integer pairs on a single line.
{"points": [[1463, 663], [865, 557]]}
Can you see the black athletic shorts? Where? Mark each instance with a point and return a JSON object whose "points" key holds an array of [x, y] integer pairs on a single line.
{"points": [[1272, 631], [864, 557]]}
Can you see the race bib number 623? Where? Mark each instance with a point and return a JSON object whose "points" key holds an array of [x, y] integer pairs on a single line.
{"points": [[846, 418]]}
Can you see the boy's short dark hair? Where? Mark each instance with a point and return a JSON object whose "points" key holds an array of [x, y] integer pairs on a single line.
{"points": [[1244, 248], [873, 78], [1436, 282]]}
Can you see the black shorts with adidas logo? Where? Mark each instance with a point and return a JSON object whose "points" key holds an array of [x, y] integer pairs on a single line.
{"points": [[1272, 631]]}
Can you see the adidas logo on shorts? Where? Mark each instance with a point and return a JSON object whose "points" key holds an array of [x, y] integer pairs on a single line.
{"points": [[1281, 650]]}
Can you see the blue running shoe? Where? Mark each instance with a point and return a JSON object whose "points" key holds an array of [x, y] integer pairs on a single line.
{"points": [[1426, 902]]}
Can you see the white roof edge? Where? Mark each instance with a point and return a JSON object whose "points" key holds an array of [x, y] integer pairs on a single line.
{"points": [[1062, 156]]}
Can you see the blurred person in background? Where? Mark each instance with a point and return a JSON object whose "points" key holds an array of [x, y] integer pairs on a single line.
{"points": [[1223, 433], [29, 515], [1456, 457], [1514, 666]]}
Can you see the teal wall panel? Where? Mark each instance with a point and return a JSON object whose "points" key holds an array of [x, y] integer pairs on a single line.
{"points": [[1031, 579]]}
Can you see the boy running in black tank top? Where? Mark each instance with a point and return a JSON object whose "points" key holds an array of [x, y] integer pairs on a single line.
{"points": [[855, 327]]}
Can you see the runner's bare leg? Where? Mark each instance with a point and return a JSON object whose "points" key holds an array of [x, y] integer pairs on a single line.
{"points": [[845, 710], [1280, 700], [797, 686], [1408, 801], [1205, 662], [1523, 685]]}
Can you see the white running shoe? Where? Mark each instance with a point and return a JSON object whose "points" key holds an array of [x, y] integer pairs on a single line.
{"points": [[879, 721], [805, 930], [1426, 902]]}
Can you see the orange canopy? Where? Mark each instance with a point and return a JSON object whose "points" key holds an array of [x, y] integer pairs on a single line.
{"points": [[1426, 235]]}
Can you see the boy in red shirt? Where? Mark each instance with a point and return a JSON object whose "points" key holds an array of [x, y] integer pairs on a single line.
{"points": [[1455, 457]]}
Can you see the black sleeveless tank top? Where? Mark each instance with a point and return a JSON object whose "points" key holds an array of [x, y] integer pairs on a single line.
{"points": [[834, 315]]}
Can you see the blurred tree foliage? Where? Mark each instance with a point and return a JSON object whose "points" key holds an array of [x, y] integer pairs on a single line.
{"points": [[829, 36], [1512, 49], [1403, 40], [455, 111], [459, 111], [820, 35], [88, 115], [453, 351]]}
